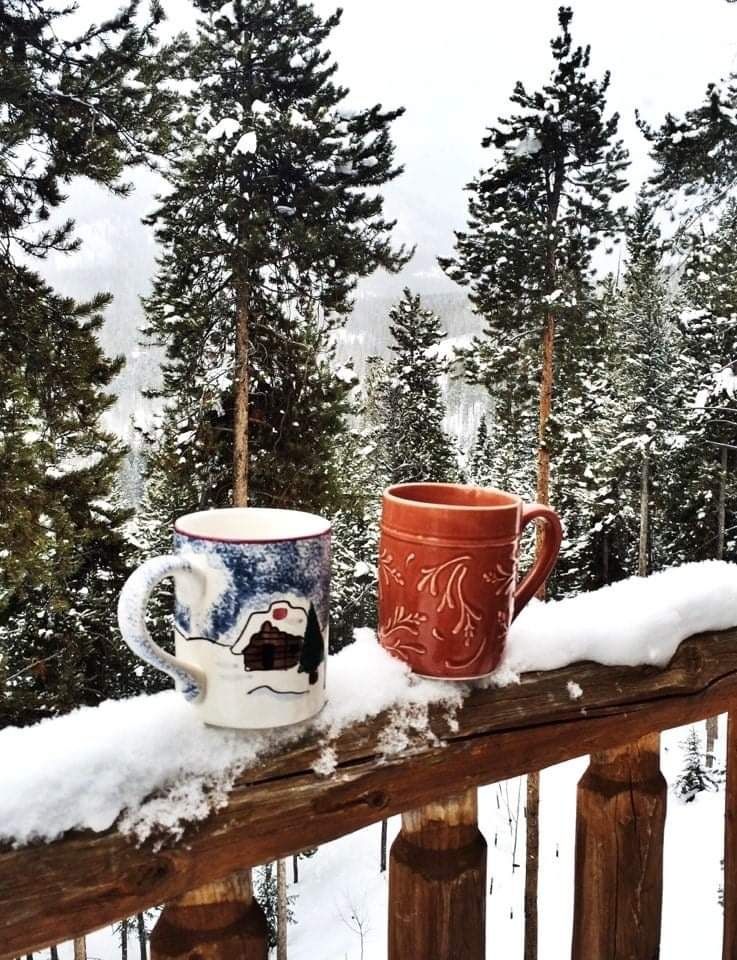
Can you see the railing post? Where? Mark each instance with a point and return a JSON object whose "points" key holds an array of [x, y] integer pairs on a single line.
{"points": [[437, 883], [620, 820], [729, 941], [219, 921]]}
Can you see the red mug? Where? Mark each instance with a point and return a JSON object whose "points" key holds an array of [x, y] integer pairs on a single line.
{"points": [[447, 569]]}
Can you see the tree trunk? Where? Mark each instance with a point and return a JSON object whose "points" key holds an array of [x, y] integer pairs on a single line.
{"points": [[721, 503], [605, 558], [54, 953], [546, 402], [124, 938], [141, 923], [240, 398], [531, 871], [80, 948], [642, 562], [382, 854], [295, 868], [281, 910], [533, 778]]}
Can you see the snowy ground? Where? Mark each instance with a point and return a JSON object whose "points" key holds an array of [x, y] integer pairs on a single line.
{"points": [[343, 878]]}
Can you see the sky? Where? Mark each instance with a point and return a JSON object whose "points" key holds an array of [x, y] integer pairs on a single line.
{"points": [[452, 64]]}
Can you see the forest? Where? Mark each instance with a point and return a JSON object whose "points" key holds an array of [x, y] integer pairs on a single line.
{"points": [[603, 354]]}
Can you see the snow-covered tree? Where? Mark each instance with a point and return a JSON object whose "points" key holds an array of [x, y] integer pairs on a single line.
{"points": [[706, 383], [64, 556], [71, 104], [536, 216], [695, 777], [271, 216], [412, 443]]}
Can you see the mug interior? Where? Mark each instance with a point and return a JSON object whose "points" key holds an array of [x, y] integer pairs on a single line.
{"points": [[452, 495], [251, 525]]}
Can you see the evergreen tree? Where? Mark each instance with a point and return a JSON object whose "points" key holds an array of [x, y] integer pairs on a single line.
{"points": [[64, 554], [271, 216], [71, 105], [695, 777], [645, 383], [707, 377], [480, 457], [413, 445], [536, 217], [696, 155]]}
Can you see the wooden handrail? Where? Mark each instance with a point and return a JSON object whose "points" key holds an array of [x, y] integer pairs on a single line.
{"points": [[52, 892]]}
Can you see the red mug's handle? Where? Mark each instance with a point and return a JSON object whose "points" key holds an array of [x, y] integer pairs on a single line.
{"points": [[544, 563]]}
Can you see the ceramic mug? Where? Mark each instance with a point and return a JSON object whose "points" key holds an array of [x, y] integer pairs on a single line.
{"points": [[447, 567], [251, 614]]}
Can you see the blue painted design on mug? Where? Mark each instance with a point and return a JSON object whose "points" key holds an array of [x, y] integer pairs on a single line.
{"points": [[251, 614]]}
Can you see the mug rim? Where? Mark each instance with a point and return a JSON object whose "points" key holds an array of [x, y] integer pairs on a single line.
{"points": [[324, 527], [390, 493]]}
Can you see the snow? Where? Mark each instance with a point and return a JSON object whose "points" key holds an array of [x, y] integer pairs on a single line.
{"points": [[247, 143], [132, 749], [529, 146], [227, 127], [637, 621], [297, 61], [227, 12], [155, 767], [259, 107]]}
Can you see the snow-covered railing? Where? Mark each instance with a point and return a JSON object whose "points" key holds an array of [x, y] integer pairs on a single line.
{"points": [[50, 892]]}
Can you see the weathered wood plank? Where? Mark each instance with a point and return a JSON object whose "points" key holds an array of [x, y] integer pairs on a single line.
{"points": [[49, 893], [620, 824]]}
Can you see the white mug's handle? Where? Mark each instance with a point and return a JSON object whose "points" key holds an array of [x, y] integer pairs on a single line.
{"points": [[132, 604]]}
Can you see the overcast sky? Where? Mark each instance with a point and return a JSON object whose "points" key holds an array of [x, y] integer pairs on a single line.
{"points": [[452, 64]]}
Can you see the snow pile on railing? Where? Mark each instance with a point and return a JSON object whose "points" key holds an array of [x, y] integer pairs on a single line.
{"points": [[150, 765], [637, 621]]}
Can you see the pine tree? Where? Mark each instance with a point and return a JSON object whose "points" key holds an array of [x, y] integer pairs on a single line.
{"points": [[695, 778], [480, 458], [71, 105], [536, 216], [644, 371], [271, 216], [696, 155], [74, 104], [66, 556], [703, 486], [413, 445]]}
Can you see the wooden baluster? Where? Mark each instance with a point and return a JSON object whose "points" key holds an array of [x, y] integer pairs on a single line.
{"points": [[219, 921], [437, 883], [729, 944], [620, 820]]}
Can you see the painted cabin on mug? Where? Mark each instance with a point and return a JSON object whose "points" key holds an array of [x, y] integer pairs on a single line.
{"points": [[272, 639]]}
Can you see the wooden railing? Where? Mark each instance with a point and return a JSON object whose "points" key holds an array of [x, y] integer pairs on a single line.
{"points": [[437, 891]]}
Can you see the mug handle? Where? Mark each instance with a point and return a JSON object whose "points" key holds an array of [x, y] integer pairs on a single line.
{"points": [[132, 605], [544, 563]]}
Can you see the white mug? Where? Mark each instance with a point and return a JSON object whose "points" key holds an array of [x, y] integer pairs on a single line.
{"points": [[251, 614]]}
